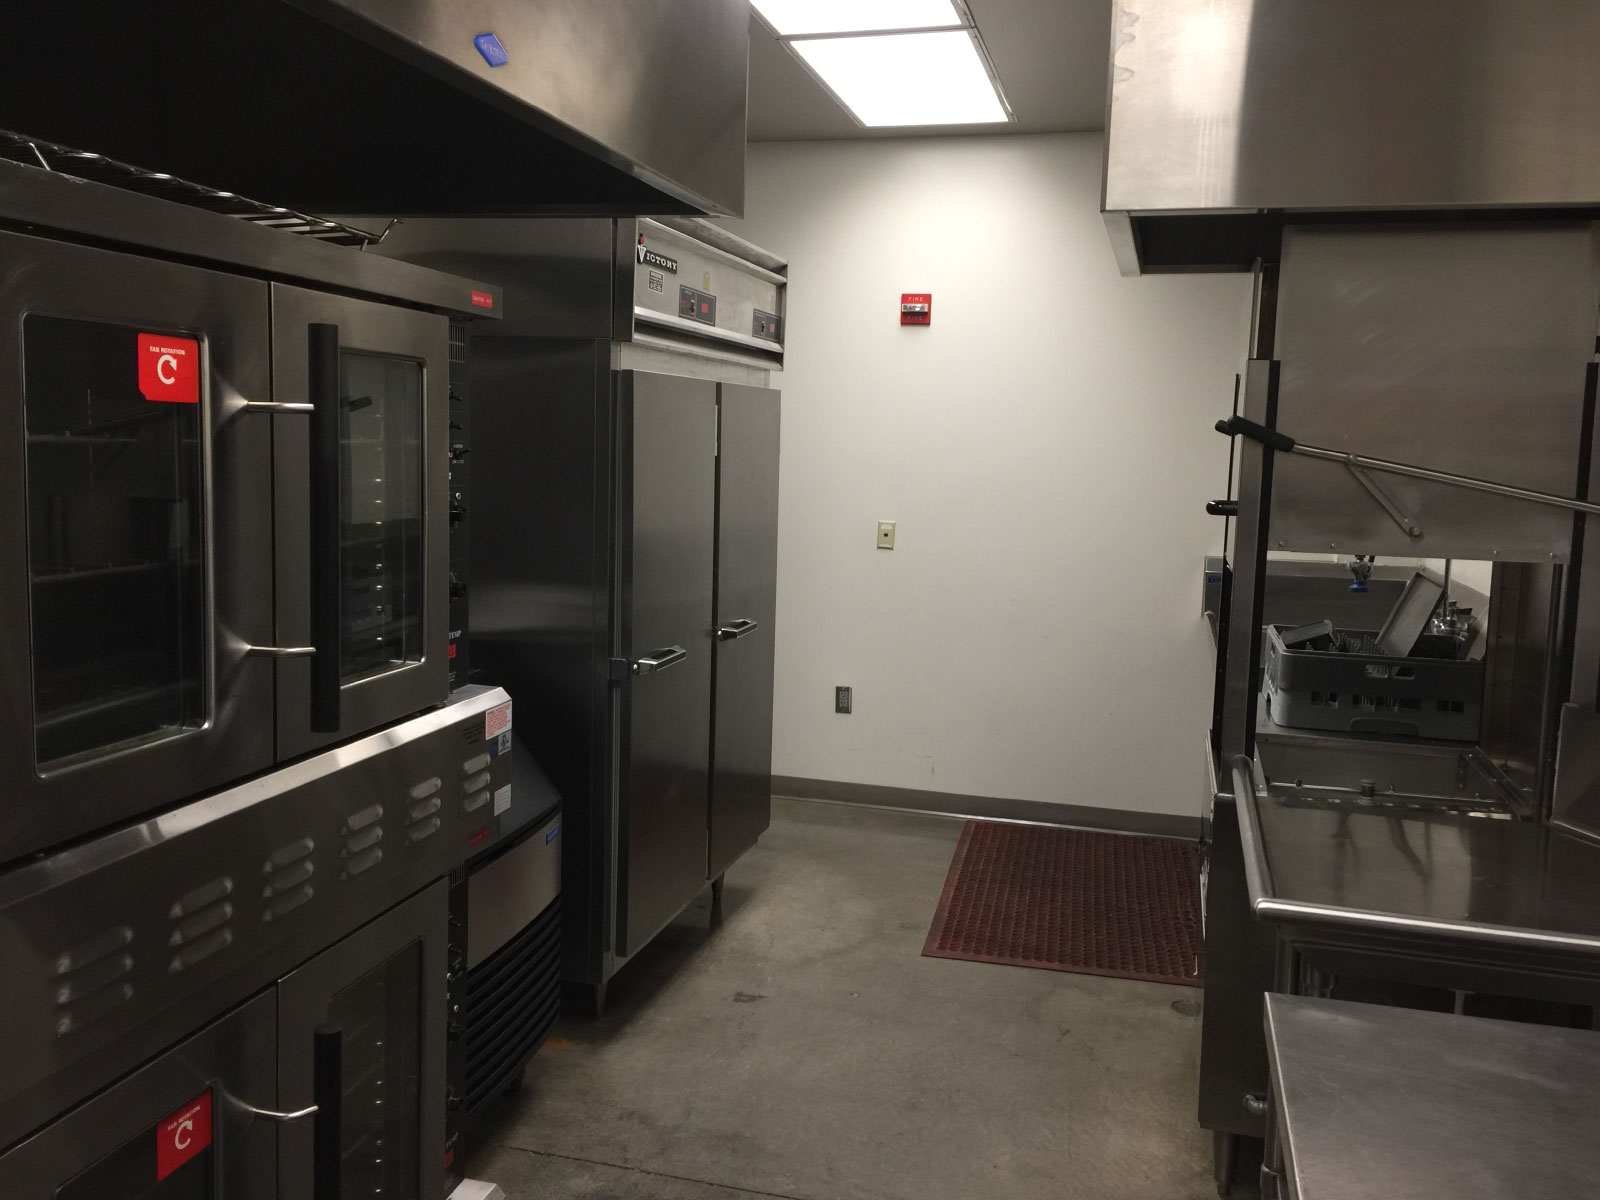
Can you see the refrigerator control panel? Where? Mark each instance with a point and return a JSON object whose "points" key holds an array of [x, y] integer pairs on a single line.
{"points": [[696, 305], [767, 326], [697, 289]]}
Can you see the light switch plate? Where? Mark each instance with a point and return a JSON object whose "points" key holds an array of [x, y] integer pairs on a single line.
{"points": [[885, 535]]}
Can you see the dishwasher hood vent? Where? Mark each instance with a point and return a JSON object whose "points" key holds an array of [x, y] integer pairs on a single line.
{"points": [[482, 107], [1229, 119]]}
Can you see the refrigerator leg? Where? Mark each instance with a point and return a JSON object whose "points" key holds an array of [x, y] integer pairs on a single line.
{"points": [[583, 999], [1225, 1151]]}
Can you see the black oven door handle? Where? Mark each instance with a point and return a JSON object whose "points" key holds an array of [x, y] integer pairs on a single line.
{"points": [[327, 587], [327, 1089]]}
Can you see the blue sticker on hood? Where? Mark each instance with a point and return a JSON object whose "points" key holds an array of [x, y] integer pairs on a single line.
{"points": [[493, 52]]}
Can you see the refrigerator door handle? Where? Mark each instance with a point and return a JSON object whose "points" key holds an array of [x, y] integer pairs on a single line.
{"points": [[660, 660], [737, 629]]}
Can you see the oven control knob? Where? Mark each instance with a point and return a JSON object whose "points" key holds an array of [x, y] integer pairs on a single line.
{"points": [[452, 1098]]}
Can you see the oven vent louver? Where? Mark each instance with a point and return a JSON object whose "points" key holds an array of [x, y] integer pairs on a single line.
{"points": [[361, 831], [458, 341], [84, 164], [287, 871], [422, 814], [90, 979], [200, 924], [512, 999]]}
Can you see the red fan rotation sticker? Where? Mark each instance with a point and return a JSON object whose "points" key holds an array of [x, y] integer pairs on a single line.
{"points": [[169, 368], [183, 1135]]}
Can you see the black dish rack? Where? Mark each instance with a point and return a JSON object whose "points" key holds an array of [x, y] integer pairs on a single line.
{"points": [[1356, 688]]}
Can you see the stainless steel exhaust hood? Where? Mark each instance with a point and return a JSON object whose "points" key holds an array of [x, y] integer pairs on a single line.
{"points": [[1230, 118], [484, 107]]}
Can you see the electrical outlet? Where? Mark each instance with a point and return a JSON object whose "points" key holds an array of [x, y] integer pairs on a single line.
{"points": [[841, 699], [885, 535]]}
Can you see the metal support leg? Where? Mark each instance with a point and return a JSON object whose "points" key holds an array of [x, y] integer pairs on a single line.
{"points": [[1287, 975], [1249, 563], [716, 903], [1225, 1154], [584, 999], [1236, 943], [1272, 1157]]}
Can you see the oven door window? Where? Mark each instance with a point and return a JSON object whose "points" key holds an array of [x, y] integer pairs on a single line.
{"points": [[116, 535], [380, 1016], [381, 513]]}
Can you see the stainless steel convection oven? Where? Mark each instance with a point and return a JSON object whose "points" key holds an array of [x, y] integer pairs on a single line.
{"points": [[223, 518], [233, 776]]}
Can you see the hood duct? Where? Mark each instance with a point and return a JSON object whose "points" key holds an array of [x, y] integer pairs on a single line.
{"points": [[1229, 119]]}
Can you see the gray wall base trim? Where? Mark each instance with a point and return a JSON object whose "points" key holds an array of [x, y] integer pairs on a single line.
{"points": [[991, 808]]}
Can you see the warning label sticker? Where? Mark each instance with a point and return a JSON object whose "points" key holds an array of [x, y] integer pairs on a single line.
{"points": [[497, 720]]}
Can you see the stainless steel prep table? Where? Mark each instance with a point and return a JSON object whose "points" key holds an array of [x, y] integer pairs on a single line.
{"points": [[1371, 1101], [1441, 900]]}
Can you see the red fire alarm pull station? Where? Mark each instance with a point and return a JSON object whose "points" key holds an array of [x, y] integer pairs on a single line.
{"points": [[916, 308]]}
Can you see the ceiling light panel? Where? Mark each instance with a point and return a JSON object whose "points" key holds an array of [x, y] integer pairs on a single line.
{"points": [[806, 18], [907, 79]]}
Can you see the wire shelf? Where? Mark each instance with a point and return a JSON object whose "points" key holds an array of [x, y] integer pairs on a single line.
{"points": [[84, 164]]}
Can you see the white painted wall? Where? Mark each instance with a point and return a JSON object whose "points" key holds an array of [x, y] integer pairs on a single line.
{"points": [[1045, 446]]}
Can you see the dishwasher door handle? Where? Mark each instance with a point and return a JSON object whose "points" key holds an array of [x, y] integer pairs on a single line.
{"points": [[660, 660]]}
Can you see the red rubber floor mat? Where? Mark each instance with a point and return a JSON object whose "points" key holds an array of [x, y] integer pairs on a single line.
{"points": [[1072, 900]]}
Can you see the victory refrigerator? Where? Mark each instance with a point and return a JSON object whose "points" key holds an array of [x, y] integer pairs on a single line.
{"points": [[624, 546], [637, 617]]}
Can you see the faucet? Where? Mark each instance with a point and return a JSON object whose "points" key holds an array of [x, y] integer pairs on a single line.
{"points": [[1361, 568]]}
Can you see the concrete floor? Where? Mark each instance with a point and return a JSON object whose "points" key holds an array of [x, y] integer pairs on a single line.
{"points": [[806, 1050]]}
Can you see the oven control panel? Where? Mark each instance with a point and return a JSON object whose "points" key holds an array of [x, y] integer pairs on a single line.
{"points": [[119, 946]]}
